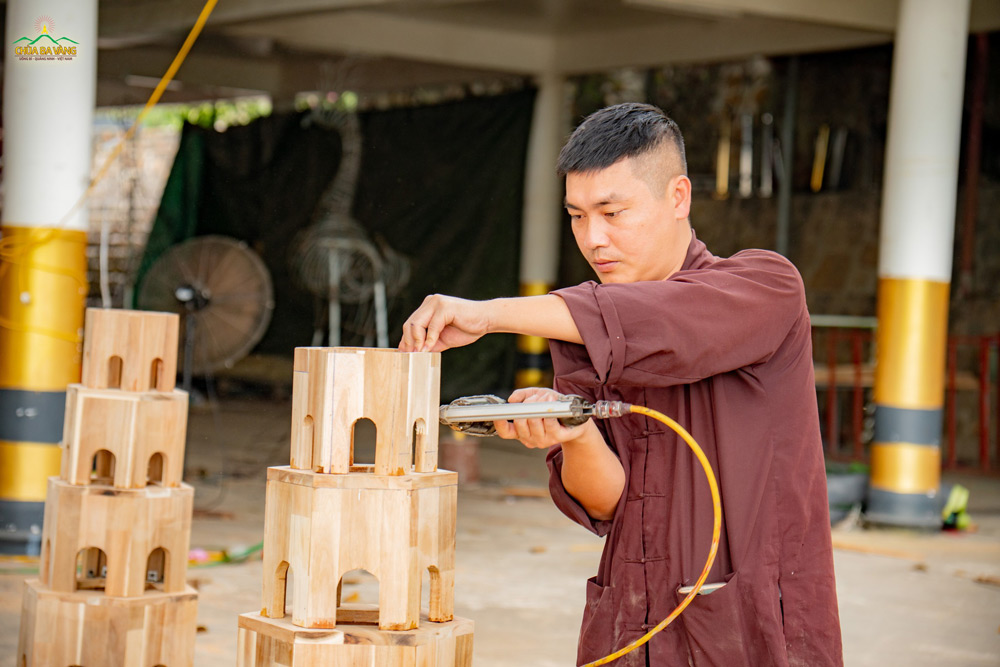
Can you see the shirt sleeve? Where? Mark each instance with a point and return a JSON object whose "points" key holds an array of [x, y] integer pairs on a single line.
{"points": [[696, 324], [566, 503]]}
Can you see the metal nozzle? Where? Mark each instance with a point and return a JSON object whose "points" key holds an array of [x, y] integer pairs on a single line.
{"points": [[610, 409]]}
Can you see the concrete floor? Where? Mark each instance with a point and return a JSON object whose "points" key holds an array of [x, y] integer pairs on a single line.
{"points": [[905, 598]]}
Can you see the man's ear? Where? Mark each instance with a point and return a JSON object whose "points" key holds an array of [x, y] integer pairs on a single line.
{"points": [[680, 194]]}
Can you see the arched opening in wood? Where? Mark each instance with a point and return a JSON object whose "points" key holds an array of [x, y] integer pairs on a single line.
{"points": [[283, 599], [357, 597], [91, 569], [154, 471], [307, 435], [103, 469], [436, 597], [364, 436], [44, 564], [156, 569], [419, 441], [115, 372], [156, 379]]}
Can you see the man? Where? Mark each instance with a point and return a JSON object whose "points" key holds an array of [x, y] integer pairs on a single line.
{"points": [[722, 346]]}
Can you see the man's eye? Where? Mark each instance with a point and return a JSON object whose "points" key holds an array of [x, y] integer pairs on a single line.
{"points": [[575, 216], [611, 214]]}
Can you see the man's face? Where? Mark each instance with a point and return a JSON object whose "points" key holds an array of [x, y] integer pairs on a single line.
{"points": [[625, 229]]}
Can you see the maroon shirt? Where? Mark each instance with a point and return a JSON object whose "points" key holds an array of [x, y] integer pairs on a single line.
{"points": [[722, 346]]}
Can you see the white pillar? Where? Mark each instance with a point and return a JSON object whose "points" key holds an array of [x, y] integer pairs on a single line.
{"points": [[543, 192], [48, 111], [916, 246], [49, 83]]}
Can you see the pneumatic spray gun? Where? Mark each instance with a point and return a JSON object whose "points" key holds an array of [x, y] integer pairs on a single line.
{"points": [[474, 415]]}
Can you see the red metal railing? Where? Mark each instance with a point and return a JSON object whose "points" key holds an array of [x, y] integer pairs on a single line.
{"points": [[984, 383], [850, 371], [844, 379]]}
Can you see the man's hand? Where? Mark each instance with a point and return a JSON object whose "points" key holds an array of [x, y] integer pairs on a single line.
{"points": [[591, 472], [442, 322], [538, 433]]}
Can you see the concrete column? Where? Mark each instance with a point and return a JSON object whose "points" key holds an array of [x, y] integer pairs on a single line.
{"points": [[543, 193], [49, 82], [918, 225]]}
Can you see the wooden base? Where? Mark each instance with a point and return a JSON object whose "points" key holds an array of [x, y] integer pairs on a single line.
{"points": [[267, 642], [321, 526], [89, 628]]}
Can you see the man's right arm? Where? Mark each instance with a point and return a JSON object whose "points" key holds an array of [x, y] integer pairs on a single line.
{"points": [[591, 472]]}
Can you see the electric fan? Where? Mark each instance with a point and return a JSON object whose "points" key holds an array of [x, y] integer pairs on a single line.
{"points": [[223, 293]]}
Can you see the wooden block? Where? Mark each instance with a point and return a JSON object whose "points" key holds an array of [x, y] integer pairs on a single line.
{"points": [[128, 541], [334, 387], [87, 628], [396, 527], [266, 642], [131, 350], [140, 436]]}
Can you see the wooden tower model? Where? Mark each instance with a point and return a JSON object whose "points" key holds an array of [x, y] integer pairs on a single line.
{"points": [[326, 516], [112, 583]]}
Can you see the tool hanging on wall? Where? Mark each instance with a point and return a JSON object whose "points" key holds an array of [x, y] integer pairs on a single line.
{"points": [[766, 155], [837, 147], [722, 160], [746, 155], [819, 158]]}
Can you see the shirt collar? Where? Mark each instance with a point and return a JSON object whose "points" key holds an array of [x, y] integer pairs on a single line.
{"points": [[697, 254]]}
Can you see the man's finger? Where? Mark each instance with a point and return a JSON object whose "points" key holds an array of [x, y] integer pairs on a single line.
{"points": [[437, 322], [505, 429], [406, 342], [417, 335]]}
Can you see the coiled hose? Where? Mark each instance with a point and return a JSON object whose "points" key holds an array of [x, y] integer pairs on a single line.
{"points": [[716, 525]]}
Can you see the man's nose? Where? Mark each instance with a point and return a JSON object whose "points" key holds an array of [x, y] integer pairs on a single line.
{"points": [[595, 235]]}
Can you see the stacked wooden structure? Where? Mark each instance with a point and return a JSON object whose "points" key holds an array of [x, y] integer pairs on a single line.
{"points": [[112, 587], [326, 517]]}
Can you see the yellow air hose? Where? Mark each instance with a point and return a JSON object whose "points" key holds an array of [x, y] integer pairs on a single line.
{"points": [[716, 530]]}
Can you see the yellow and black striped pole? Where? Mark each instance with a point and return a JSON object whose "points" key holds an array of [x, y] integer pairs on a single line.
{"points": [[48, 106], [534, 366], [540, 220], [918, 223]]}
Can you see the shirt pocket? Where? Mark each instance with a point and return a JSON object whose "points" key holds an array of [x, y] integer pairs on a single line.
{"points": [[715, 626], [598, 620]]}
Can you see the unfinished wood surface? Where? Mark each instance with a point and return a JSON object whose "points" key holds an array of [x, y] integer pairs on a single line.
{"points": [[88, 628], [131, 350], [321, 531], [127, 526], [129, 429], [265, 642], [335, 387], [363, 477]]}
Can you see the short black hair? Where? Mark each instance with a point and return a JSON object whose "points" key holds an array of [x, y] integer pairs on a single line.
{"points": [[616, 132]]}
